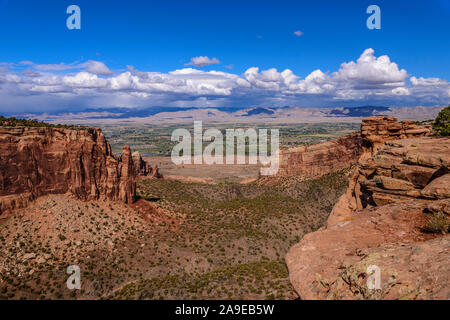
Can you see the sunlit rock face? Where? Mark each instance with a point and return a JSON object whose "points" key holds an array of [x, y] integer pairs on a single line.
{"points": [[36, 161]]}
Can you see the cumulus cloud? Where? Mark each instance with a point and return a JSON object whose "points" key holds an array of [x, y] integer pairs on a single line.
{"points": [[97, 67], [369, 79], [298, 33], [371, 72], [202, 61]]}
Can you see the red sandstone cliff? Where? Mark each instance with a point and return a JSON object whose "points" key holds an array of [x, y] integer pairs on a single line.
{"points": [[313, 161], [316, 160], [36, 161], [376, 133], [402, 180], [143, 169]]}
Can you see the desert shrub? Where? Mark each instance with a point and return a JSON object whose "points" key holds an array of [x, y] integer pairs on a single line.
{"points": [[438, 223], [442, 123]]}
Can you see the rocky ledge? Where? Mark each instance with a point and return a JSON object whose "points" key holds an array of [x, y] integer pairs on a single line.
{"points": [[415, 168], [394, 216], [333, 263]]}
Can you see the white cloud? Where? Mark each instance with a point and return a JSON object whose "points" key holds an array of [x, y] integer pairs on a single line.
{"points": [[427, 81], [202, 61], [97, 67], [84, 80], [369, 79], [401, 91], [371, 72], [91, 66], [298, 33]]}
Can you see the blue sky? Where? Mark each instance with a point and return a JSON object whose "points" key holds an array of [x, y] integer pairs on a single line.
{"points": [[157, 38]]}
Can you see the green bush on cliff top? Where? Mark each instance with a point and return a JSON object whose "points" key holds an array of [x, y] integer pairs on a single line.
{"points": [[442, 123], [14, 122]]}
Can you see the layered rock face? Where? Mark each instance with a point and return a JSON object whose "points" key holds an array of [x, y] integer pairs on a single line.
{"points": [[36, 161], [316, 160], [401, 179], [389, 151], [377, 130], [319, 159], [143, 169]]}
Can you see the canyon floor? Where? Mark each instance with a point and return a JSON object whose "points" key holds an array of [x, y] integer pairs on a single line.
{"points": [[180, 240]]}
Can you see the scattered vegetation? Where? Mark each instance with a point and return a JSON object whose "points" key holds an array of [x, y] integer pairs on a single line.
{"points": [[15, 122], [224, 241], [253, 279]]}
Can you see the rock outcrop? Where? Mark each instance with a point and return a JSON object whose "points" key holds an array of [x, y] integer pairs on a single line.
{"points": [[333, 263], [402, 176], [313, 161], [36, 161], [375, 131], [143, 169], [395, 164]]}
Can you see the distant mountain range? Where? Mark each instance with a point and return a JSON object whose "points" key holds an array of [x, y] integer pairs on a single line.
{"points": [[283, 114], [365, 111]]}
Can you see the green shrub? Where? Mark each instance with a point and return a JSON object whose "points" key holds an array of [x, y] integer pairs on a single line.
{"points": [[15, 122], [442, 123]]}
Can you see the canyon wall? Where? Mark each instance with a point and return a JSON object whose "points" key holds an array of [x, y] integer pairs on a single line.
{"points": [[313, 161], [36, 161], [382, 222], [316, 160]]}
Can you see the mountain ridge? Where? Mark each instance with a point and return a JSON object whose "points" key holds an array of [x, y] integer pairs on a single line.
{"points": [[283, 114]]}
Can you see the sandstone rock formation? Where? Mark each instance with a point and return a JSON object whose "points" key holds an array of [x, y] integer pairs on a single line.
{"points": [[401, 176], [391, 170], [332, 263], [143, 169], [35, 161], [377, 130], [316, 160]]}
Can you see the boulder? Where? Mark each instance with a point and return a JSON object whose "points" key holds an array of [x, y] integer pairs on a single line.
{"points": [[439, 188]]}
